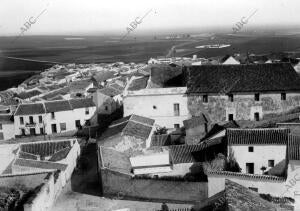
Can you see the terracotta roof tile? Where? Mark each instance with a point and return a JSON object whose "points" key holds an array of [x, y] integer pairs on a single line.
{"points": [[275, 136]]}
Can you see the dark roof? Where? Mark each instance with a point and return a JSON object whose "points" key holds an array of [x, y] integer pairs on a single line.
{"points": [[44, 149], [59, 105], [261, 177], [6, 119], [110, 91], [137, 84], [40, 164], [117, 87], [141, 119], [62, 91], [137, 130], [62, 154], [242, 78], [195, 121], [275, 136], [160, 140], [80, 85], [81, 103], [162, 74], [294, 148], [30, 109], [132, 125], [183, 153], [26, 95], [236, 197]]}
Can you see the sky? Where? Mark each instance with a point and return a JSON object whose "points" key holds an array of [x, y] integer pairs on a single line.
{"points": [[99, 17]]}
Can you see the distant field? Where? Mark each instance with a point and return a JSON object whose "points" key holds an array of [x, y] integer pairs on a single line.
{"points": [[109, 49]]}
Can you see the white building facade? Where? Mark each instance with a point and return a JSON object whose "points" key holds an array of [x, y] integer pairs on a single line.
{"points": [[168, 106]]}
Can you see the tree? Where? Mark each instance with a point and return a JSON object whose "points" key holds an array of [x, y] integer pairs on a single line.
{"points": [[231, 163]]}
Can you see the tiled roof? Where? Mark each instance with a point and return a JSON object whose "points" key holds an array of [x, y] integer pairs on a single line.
{"points": [[30, 109], [195, 121], [242, 78], [141, 119], [62, 91], [44, 148], [183, 153], [161, 74], [27, 95], [294, 148], [40, 164], [246, 176], [117, 87], [110, 91], [80, 85], [132, 125], [139, 83], [58, 105], [275, 136], [26, 155], [137, 130], [6, 119], [61, 154], [81, 103], [160, 140]]}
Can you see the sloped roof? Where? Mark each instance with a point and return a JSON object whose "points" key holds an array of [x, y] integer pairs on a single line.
{"points": [[139, 83], [110, 91], [30, 109], [26, 95], [80, 84], [103, 76], [81, 103], [133, 125], [6, 119], [275, 136], [242, 78], [160, 140], [294, 148], [183, 153], [61, 154], [58, 105], [40, 164]]}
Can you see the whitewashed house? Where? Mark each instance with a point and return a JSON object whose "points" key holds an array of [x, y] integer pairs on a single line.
{"points": [[167, 106], [254, 149], [7, 127], [52, 117], [229, 60]]}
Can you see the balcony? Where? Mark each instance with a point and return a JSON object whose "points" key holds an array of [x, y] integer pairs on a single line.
{"points": [[30, 124]]}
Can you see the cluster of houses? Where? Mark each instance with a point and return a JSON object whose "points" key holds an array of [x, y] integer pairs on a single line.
{"points": [[210, 127], [191, 132]]}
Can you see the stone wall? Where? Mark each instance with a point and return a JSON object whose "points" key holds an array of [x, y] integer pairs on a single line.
{"points": [[243, 107], [115, 183]]}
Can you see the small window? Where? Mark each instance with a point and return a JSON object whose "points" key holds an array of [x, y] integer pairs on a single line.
{"points": [[106, 108], [176, 126], [21, 120], [256, 96], [230, 117], [41, 130], [271, 163], [230, 97], [205, 98], [87, 111], [250, 149], [176, 109], [63, 126], [0, 126], [52, 115], [283, 96], [1, 136], [30, 119], [154, 107], [23, 132], [40, 119], [256, 116]]}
